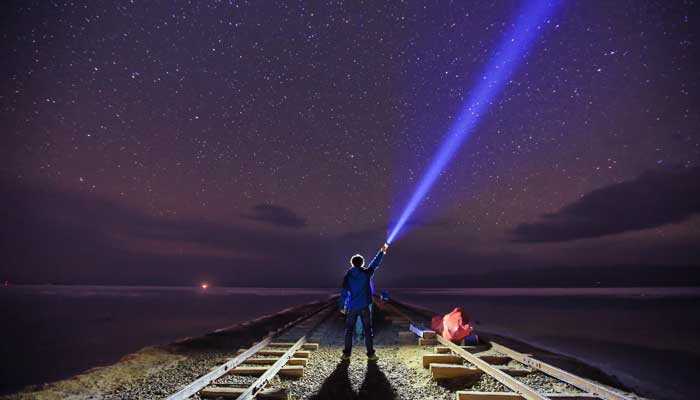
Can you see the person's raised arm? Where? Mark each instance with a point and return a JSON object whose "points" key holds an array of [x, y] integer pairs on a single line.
{"points": [[377, 260]]}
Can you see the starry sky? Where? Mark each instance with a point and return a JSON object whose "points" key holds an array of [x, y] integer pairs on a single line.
{"points": [[264, 143]]}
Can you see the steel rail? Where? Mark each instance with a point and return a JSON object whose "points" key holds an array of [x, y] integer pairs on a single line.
{"points": [[513, 384], [205, 380], [270, 373], [558, 373], [581, 383], [518, 387]]}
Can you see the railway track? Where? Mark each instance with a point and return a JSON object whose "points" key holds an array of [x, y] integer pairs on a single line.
{"points": [[306, 353], [450, 360], [284, 351]]}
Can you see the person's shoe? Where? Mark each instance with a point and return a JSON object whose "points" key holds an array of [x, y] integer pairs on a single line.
{"points": [[372, 357], [345, 357]]}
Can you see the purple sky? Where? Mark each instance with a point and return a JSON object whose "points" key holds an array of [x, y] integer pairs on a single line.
{"points": [[248, 143]]}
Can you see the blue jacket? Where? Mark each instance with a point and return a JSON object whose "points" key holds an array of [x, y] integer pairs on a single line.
{"points": [[356, 292]]}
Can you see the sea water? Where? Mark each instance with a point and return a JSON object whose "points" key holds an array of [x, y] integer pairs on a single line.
{"points": [[53, 332]]}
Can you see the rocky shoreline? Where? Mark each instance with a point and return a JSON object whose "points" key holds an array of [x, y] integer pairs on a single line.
{"points": [[155, 372]]}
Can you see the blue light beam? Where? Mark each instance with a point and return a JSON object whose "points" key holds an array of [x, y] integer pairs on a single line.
{"points": [[500, 68]]}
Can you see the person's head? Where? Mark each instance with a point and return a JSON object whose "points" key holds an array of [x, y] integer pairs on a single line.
{"points": [[357, 261]]}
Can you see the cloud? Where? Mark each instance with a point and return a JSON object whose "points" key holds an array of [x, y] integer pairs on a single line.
{"points": [[653, 199], [277, 216], [52, 235]]}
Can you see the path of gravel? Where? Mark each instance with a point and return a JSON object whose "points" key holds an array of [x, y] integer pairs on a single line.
{"points": [[201, 355], [398, 374]]}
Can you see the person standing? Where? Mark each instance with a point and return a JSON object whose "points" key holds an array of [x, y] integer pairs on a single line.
{"points": [[356, 298]]}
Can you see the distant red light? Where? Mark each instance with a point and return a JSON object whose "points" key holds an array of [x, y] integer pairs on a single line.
{"points": [[204, 285]]}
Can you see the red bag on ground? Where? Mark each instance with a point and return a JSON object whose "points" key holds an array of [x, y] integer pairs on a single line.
{"points": [[455, 325]]}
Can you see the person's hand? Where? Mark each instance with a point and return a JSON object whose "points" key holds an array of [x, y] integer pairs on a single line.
{"points": [[343, 311], [385, 247]]}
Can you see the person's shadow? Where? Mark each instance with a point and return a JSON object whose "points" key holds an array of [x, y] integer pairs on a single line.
{"points": [[375, 385], [337, 386]]}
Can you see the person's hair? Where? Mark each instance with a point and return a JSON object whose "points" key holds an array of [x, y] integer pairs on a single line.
{"points": [[357, 260]]}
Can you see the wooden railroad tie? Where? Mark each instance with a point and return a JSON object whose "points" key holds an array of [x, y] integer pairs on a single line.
{"points": [[278, 353], [441, 350], [272, 360], [446, 358], [441, 359], [226, 392], [457, 370], [305, 346], [426, 337], [514, 371], [495, 359], [423, 332], [471, 349], [468, 395], [449, 371], [292, 371], [437, 357]]}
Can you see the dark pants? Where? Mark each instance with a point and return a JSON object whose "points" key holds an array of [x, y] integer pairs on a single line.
{"points": [[366, 315]]}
